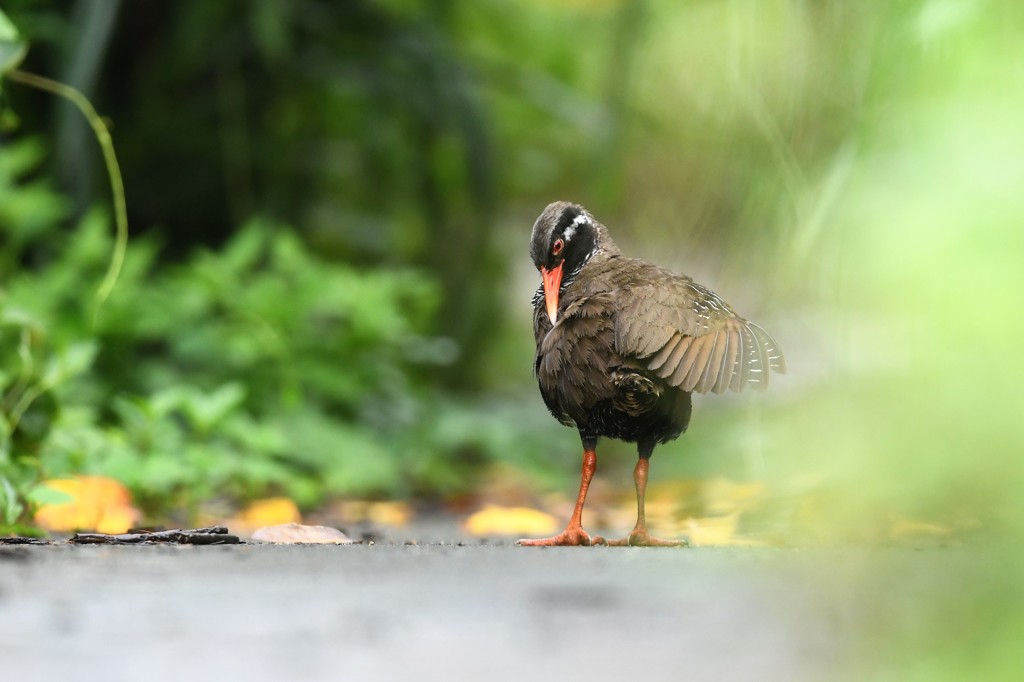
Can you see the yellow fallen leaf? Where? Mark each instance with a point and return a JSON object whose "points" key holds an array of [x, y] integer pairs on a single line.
{"points": [[723, 496], [389, 513], [294, 533], [704, 497], [270, 511], [97, 503], [385, 513], [495, 520], [717, 531], [711, 531], [903, 529]]}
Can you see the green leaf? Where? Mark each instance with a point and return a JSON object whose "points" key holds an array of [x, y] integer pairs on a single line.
{"points": [[12, 46], [10, 507], [44, 494], [9, 121], [205, 410], [71, 361]]}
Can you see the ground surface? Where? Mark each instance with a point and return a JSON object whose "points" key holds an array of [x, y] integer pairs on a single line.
{"points": [[448, 612]]}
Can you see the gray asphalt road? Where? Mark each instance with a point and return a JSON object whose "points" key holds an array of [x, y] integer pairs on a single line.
{"points": [[444, 612]]}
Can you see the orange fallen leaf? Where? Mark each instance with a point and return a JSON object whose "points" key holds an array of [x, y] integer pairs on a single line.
{"points": [[270, 511], [294, 533], [97, 503], [495, 520]]}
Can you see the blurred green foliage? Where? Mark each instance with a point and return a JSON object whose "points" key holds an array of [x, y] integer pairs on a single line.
{"points": [[326, 293], [371, 126], [834, 169], [252, 370]]}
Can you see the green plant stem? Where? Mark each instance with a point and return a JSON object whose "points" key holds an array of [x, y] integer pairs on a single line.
{"points": [[113, 170]]}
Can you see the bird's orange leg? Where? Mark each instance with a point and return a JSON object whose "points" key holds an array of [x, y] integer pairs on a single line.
{"points": [[639, 537], [574, 535]]}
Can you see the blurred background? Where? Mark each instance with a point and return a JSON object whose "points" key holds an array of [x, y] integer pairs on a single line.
{"points": [[325, 298]]}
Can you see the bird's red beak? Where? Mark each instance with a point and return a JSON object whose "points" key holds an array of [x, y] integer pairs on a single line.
{"points": [[552, 283]]}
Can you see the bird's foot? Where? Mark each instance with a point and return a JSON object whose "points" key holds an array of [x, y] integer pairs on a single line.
{"points": [[640, 538], [573, 536]]}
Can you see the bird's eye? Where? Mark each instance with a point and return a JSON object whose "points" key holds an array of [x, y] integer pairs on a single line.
{"points": [[557, 247]]}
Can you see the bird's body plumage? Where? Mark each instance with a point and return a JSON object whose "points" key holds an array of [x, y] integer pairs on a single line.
{"points": [[622, 343], [589, 372]]}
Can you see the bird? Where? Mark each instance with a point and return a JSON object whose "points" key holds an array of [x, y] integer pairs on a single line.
{"points": [[621, 346]]}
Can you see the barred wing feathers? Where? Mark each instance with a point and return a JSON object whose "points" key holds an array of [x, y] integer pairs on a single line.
{"points": [[691, 338]]}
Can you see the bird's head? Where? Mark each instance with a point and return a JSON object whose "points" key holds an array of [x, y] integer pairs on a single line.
{"points": [[564, 238]]}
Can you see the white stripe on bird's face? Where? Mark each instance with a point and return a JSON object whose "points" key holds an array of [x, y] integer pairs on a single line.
{"points": [[581, 219]]}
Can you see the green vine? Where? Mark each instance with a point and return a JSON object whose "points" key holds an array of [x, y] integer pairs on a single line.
{"points": [[113, 170]]}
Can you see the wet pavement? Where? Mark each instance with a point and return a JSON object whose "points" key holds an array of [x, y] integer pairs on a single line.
{"points": [[449, 612]]}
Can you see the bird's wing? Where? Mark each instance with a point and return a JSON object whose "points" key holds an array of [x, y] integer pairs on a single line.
{"points": [[691, 338]]}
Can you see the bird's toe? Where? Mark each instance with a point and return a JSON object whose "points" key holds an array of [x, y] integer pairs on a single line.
{"points": [[570, 537], [643, 539]]}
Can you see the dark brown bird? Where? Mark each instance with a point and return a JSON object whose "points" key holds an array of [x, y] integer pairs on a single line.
{"points": [[621, 345]]}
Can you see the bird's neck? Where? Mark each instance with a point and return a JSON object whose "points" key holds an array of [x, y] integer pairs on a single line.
{"points": [[604, 247]]}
